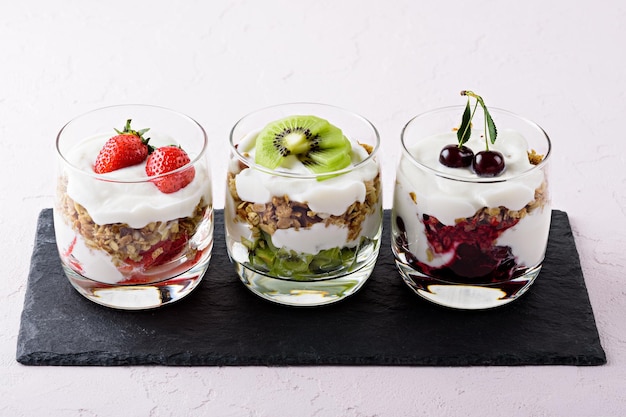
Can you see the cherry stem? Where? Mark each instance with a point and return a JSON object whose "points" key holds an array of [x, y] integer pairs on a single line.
{"points": [[479, 100], [469, 125]]}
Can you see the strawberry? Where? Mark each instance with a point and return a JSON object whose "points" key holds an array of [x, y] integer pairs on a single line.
{"points": [[166, 159], [125, 149]]}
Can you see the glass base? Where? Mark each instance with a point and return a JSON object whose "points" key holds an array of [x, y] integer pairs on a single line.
{"points": [[139, 296], [467, 296], [305, 293]]}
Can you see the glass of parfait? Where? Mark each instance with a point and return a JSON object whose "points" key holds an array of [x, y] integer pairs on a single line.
{"points": [[133, 212], [471, 210], [303, 210]]}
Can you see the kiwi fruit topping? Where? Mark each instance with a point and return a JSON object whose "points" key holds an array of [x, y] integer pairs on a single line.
{"points": [[319, 145]]}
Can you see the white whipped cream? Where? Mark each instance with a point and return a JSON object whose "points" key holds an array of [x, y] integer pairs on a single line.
{"points": [[449, 199], [135, 203], [93, 263], [331, 196]]}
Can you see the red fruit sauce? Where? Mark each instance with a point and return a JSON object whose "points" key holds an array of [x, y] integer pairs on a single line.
{"points": [[476, 258]]}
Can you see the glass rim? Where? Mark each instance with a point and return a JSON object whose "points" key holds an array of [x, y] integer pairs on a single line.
{"points": [[486, 180], [251, 164], [106, 176]]}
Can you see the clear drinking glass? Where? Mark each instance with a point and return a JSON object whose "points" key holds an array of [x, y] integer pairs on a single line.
{"points": [[123, 242], [299, 238], [465, 241]]}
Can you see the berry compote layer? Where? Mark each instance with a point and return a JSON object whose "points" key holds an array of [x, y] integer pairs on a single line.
{"points": [[453, 226], [118, 228]]}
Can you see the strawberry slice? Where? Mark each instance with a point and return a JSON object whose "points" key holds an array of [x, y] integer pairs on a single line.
{"points": [[163, 252], [157, 255], [166, 159], [69, 257], [125, 149]]}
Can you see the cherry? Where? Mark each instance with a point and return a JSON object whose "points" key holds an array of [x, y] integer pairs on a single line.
{"points": [[488, 163], [455, 156]]}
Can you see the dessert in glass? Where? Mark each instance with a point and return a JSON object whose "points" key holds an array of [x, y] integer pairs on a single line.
{"points": [[471, 210], [133, 212], [303, 208]]}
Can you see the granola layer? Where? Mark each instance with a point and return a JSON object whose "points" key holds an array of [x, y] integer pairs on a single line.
{"points": [[283, 213], [125, 244]]}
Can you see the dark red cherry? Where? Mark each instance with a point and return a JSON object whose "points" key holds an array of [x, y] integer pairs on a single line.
{"points": [[488, 163], [454, 156]]}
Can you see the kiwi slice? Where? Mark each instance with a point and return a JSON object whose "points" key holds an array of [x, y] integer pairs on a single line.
{"points": [[319, 145]]}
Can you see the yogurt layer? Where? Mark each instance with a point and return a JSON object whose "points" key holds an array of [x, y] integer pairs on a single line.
{"points": [[93, 263], [114, 197], [331, 196], [449, 199]]}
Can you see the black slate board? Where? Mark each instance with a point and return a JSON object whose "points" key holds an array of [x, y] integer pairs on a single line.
{"points": [[222, 323]]}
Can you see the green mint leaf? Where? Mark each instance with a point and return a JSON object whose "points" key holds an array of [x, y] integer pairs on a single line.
{"points": [[465, 131]]}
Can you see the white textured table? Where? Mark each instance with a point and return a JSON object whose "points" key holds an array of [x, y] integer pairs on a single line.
{"points": [[558, 63]]}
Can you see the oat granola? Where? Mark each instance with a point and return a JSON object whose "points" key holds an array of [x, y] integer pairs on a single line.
{"points": [[282, 213], [123, 243]]}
